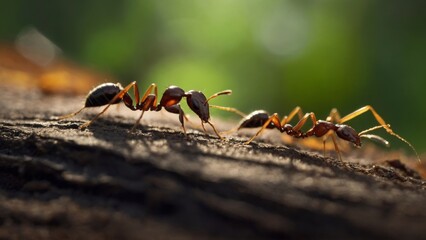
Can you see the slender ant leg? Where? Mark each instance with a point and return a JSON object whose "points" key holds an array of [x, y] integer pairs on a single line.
{"points": [[336, 147], [297, 110], [148, 91], [272, 119], [380, 120], [233, 110], [334, 116], [302, 121], [178, 110], [144, 104], [137, 122], [69, 115], [215, 131]]}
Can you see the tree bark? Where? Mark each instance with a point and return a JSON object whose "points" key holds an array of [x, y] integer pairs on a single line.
{"points": [[103, 183]]}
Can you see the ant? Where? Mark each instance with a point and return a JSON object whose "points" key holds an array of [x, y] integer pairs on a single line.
{"points": [[332, 126], [110, 93]]}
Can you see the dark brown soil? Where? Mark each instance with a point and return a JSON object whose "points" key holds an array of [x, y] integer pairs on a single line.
{"points": [[106, 183]]}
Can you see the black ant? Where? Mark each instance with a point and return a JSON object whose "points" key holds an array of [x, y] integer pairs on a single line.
{"points": [[332, 126], [110, 93]]}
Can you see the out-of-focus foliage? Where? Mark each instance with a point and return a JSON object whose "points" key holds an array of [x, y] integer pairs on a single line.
{"points": [[275, 55]]}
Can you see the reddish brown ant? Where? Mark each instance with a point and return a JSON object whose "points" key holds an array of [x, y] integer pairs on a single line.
{"points": [[110, 93], [332, 126]]}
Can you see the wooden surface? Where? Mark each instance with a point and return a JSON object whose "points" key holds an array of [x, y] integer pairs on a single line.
{"points": [[106, 183]]}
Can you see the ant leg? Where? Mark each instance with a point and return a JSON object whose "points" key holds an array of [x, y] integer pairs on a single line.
{"points": [[119, 95], [334, 116], [177, 110], [186, 118], [202, 125], [380, 120], [274, 119], [68, 115], [302, 121], [324, 139], [214, 129], [229, 109], [146, 104], [365, 109], [137, 122], [156, 95], [336, 147], [136, 93], [230, 131], [233, 110], [148, 91], [297, 110]]}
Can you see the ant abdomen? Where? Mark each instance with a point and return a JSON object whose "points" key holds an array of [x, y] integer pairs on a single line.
{"points": [[103, 94], [255, 119]]}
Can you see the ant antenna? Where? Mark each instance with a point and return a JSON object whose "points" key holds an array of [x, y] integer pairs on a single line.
{"points": [[224, 92], [229, 109], [362, 134], [372, 129], [376, 138]]}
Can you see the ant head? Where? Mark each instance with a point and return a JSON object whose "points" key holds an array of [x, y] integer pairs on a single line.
{"points": [[255, 119], [103, 94], [197, 101], [347, 133]]}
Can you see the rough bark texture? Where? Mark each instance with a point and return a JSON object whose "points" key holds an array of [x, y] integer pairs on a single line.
{"points": [[103, 183]]}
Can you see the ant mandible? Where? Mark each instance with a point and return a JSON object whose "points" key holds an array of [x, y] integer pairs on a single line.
{"points": [[110, 93], [332, 126]]}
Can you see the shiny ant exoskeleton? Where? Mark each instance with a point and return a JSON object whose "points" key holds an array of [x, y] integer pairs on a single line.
{"points": [[110, 93], [332, 126]]}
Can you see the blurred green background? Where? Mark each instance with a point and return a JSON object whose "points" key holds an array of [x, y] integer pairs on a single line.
{"points": [[274, 55]]}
